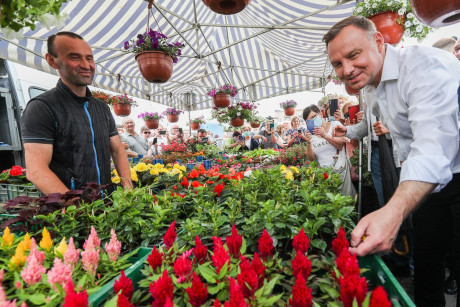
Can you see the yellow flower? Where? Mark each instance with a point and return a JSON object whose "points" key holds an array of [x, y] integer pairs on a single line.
{"points": [[134, 175], [140, 167], [174, 171], [150, 166], [46, 241], [61, 248], [26, 242], [115, 172], [19, 257], [180, 176], [154, 172], [7, 238], [116, 179], [283, 167], [289, 175], [294, 169], [158, 165]]}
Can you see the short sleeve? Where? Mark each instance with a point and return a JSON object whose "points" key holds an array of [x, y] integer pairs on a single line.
{"points": [[38, 124]]}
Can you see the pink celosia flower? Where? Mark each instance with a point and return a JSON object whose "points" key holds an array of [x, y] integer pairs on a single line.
{"points": [[33, 271], [18, 285], [90, 258], [35, 253], [73, 299], [3, 301], [170, 236], [93, 238], [72, 254], [60, 273], [114, 247], [2, 275]]}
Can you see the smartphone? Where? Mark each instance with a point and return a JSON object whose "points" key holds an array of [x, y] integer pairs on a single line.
{"points": [[240, 137], [299, 131], [162, 132], [204, 140], [352, 113], [333, 106], [181, 131], [155, 140], [310, 125], [272, 126]]}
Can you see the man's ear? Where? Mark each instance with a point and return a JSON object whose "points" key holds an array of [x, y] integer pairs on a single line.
{"points": [[380, 41], [51, 61]]}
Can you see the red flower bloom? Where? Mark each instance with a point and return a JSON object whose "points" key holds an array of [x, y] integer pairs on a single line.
{"points": [[218, 188], [73, 299], [301, 294], [16, 171], [155, 259], [234, 242], [184, 182], [347, 264], [259, 268], [198, 293], [182, 268], [170, 236], [194, 174], [220, 256], [168, 303], [301, 243], [247, 279], [200, 251], [123, 301], [325, 176], [125, 285], [222, 176], [217, 303], [265, 245], [379, 298], [162, 289], [301, 265], [236, 295], [209, 182], [352, 287], [196, 184], [339, 243], [177, 194]]}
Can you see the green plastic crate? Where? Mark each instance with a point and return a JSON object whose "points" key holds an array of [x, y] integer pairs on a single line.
{"points": [[133, 272], [23, 190], [4, 192], [379, 275]]}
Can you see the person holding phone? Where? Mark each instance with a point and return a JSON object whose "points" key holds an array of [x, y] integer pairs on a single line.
{"points": [[236, 140], [176, 135], [203, 138], [161, 139], [269, 136], [296, 135]]}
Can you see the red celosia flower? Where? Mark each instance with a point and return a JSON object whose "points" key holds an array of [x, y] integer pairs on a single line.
{"points": [[184, 182], [352, 287], [339, 243], [170, 236], [125, 285], [301, 265], [182, 268], [259, 268], [347, 264], [379, 298], [155, 259], [73, 299], [234, 242], [168, 303], [196, 184], [247, 279], [209, 182], [123, 301], [220, 256], [194, 174], [216, 303], [301, 243], [325, 175], [16, 171], [162, 289], [236, 295], [198, 293], [301, 294], [200, 251], [218, 188], [265, 245]]}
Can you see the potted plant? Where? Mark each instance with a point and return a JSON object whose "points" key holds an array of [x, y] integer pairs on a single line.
{"points": [[195, 123], [172, 114], [289, 107], [436, 13], [393, 19], [107, 98], [221, 96], [235, 114], [152, 120], [256, 120], [226, 7], [154, 55], [122, 104]]}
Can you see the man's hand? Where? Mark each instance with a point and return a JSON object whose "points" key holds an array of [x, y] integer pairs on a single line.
{"points": [[339, 131], [264, 139], [319, 131], [308, 137], [380, 129], [338, 115], [359, 116]]}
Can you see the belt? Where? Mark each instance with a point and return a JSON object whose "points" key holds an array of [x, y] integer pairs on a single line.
{"points": [[376, 143]]}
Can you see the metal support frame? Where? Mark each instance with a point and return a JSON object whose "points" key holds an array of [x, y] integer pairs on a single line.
{"points": [[360, 162]]}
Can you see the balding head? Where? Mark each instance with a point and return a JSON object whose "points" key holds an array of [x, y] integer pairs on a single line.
{"points": [[445, 43]]}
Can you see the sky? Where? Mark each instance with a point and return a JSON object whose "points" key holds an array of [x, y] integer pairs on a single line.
{"points": [[265, 106]]}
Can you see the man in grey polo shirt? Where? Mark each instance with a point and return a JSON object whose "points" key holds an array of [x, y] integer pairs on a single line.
{"points": [[136, 142]]}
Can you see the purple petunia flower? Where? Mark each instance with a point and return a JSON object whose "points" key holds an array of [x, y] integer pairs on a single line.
{"points": [[126, 46]]}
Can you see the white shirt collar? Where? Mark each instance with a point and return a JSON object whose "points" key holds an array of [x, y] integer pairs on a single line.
{"points": [[390, 69]]}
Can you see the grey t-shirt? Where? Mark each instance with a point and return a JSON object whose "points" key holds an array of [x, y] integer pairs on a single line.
{"points": [[269, 143], [136, 143]]}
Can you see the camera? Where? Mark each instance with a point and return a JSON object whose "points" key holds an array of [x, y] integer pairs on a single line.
{"points": [[299, 131], [162, 132], [241, 138], [204, 140], [181, 131], [155, 140]]}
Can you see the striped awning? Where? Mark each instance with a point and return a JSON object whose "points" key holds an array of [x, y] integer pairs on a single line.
{"points": [[273, 47]]}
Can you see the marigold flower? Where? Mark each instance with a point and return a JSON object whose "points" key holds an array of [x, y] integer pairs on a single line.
{"points": [[265, 245], [116, 180], [234, 242], [72, 254], [219, 188], [182, 268], [113, 249], [161, 290], [134, 176], [200, 251], [301, 294], [7, 238], [170, 236], [90, 258], [96, 242], [198, 292], [341, 242], [60, 273], [301, 243], [61, 248], [301, 265], [73, 299], [379, 298], [155, 259], [247, 279], [220, 256], [236, 295], [125, 285]]}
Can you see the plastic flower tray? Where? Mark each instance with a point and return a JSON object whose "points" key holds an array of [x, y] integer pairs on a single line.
{"points": [[133, 272], [378, 274], [11, 191]]}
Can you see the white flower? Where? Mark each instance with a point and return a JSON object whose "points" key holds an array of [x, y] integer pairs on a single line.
{"points": [[248, 173], [360, 9], [410, 15], [367, 5], [238, 113], [401, 11], [366, 1], [408, 24], [374, 5], [407, 33], [419, 28], [240, 108]]}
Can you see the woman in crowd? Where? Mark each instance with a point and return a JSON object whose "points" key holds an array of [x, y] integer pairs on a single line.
{"points": [[281, 142], [250, 141], [296, 135]]}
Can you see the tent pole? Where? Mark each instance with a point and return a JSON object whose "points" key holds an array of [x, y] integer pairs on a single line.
{"points": [[360, 167]]}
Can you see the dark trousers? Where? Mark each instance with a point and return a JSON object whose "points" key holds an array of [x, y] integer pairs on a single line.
{"points": [[436, 227]]}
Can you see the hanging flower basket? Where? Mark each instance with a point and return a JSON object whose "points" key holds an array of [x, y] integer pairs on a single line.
{"points": [[237, 122], [121, 109], [226, 7], [152, 123], [436, 13], [255, 125], [195, 126], [221, 100], [386, 23], [155, 66], [172, 114], [289, 111], [173, 118]]}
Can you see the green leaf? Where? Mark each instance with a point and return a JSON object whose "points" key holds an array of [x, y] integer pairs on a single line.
{"points": [[268, 288], [38, 299], [208, 274], [272, 300], [112, 302], [320, 244], [345, 211], [223, 271], [213, 290], [243, 247]]}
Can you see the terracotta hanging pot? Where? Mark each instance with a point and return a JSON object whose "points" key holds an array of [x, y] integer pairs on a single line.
{"points": [[255, 125], [221, 100], [237, 122], [195, 126], [155, 66], [173, 118], [289, 111], [226, 7], [351, 91], [386, 23], [122, 109], [436, 13], [152, 123]]}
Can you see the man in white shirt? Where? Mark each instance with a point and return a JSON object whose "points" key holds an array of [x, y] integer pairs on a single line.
{"points": [[416, 91]]}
